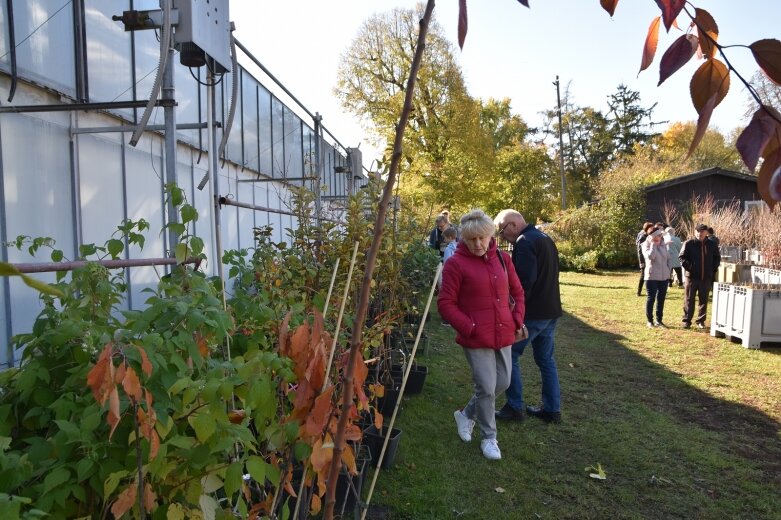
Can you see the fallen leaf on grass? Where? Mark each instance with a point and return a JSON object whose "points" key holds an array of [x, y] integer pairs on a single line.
{"points": [[572, 365], [597, 472], [499, 490]]}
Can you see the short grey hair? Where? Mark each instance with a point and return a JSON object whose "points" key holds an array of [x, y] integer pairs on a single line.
{"points": [[513, 214], [476, 224]]}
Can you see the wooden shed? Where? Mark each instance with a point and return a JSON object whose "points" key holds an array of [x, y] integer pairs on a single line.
{"points": [[725, 186]]}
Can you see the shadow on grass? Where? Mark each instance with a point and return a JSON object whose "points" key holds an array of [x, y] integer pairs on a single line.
{"points": [[669, 449]]}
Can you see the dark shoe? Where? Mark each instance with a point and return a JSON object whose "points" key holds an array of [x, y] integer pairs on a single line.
{"points": [[686, 325], [548, 417], [508, 413]]}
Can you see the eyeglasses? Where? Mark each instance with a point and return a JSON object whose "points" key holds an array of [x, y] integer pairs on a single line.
{"points": [[502, 228]]}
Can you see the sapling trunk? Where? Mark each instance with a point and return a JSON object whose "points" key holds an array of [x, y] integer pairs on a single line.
{"points": [[371, 260]]}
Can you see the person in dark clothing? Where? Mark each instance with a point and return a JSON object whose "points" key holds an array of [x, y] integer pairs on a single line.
{"points": [[699, 258], [639, 241], [536, 261], [435, 239]]}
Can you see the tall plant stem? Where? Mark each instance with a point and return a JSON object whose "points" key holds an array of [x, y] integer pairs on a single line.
{"points": [[407, 370], [371, 260], [341, 314], [331, 288]]}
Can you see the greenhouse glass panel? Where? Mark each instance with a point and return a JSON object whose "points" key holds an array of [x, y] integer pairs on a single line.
{"points": [[203, 203], [101, 188], [249, 104], [233, 150], [310, 160], [264, 131], [147, 59], [186, 95], [293, 146], [279, 167], [108, 53], [5, 46], [45, 43], [246, 216]]}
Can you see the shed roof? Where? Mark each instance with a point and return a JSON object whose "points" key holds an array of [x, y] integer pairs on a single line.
{"points": [[700, 175]]}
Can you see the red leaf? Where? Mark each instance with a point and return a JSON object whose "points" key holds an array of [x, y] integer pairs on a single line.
{"points": [[711, 78], [462, 23], [609, 6], [708, 32], [768, 180], [670, 11], [767, 54], [124, 501], [651, 41], [676, 56], [113, 411], [755, 137], [702, 124], [321, 411], [132, 385]]}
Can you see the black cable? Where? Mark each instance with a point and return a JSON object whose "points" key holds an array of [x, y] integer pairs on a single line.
{"points": [[36, 29], [203, 83]]}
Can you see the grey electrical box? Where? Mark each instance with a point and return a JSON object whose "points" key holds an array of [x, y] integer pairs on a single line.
{"points": [[355, 157], [204, 24]]}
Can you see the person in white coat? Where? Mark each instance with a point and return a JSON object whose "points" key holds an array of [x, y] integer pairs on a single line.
{"points": [[657, 274], [673, 244]]}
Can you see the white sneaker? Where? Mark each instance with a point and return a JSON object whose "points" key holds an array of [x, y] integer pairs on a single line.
{"points": [[490, 449], [465, 425]]}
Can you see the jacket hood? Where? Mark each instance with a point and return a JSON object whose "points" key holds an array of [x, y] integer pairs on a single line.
{"points": [[462, 249]]}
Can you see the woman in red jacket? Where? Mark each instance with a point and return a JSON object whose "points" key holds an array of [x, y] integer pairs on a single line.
{"points": [[475, 300]]}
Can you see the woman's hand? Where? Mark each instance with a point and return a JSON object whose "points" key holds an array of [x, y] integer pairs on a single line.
{"points": [[521, 334]]}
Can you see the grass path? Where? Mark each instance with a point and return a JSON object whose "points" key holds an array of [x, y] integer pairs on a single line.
{"points": [[684, 425]]}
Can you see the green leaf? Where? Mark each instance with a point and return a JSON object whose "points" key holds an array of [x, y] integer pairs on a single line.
{"points": [[181, 252], [86, 250], [177, 227], [211, 483], [55, 478], [56, 255], [209, 507], [188, 213], [7, 269], [179, 386], [233, 476], [177, 194], [196, 244], [204, 426], [115, 247], [112, 481], [257, 469]]}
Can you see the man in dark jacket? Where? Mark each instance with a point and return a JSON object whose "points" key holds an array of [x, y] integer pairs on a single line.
{"points": [[699, 258], [536, 261]]}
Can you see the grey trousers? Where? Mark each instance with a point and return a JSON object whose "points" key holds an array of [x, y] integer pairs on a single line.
{"points": [[491, 376]]}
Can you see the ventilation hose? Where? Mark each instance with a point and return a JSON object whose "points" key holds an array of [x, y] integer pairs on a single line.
{"points": [[234, 94]]}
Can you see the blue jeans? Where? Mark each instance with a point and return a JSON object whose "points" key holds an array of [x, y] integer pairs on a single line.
{"points": [[657, 290], [541, 338]]}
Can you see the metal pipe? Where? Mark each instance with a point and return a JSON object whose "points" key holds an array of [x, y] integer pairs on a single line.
{"points": [[12, 44], [53, 267], [127, 128], [65, 107], [5, 285], [283, 181], [223, 201], [169, 114], [80, 51]]}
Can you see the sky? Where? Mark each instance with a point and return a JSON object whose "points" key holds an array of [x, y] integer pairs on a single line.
{"points": [[510, 52]]}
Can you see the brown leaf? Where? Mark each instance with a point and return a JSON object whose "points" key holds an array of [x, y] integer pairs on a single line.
{"points": [[609, 6], [284, 329], [320, 413], [767, 54], [203, 345], [651, 42], [132, 385], [755, 137], [352, 433], [119, 374], [146, 365], [702, 124], [348, 457], [676, 56], [124, 501], [360, 372], [315, 505], [315, 372], [236, 416], [708, 32], [711, 78], [298, 350], [322, 453], [113, 411], [150, 498], [462, 23], [101, 377], [154, 445], [769, 172], [305, 395], [670, 11], [378, 420]]}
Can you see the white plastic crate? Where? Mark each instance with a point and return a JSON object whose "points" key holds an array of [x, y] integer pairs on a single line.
{"points": [[765, 275], [752, 315]]}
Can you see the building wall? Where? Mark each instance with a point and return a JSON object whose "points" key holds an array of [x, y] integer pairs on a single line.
{"points": [[76, 188], [722, 188]]}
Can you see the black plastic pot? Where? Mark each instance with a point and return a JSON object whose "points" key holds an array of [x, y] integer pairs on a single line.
{"points": [[373, 439], [417, 376], [387, 403]]}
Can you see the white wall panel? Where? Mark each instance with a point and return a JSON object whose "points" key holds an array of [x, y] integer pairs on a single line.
{"points": [[264, 131], [101, 188], [203, 203], [108, 53], [246, 216]]}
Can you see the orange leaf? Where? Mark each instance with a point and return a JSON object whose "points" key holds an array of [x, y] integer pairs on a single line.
{"points": [[676, 56], [321, 411], [609, 6], [124, 501], [203, 345], [315, 505], [284, 329], [769, 178], [670, 11], [146, 365], [119, 374], [143, 423], [702, 124], [767, 54], [651, 41], [711, 78], [378, 420], [305, 395], [462, 23], [154, 445], [298, 350], [113, 411], [132, 385], [150, 498], [708, 32], [352, 433], [322, 453], [236, 416], [756, 136], [101, 377], [359, 378], [348, 457]]}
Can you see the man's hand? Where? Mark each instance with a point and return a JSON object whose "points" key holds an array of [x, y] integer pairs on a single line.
{"points": [[521, 334]]}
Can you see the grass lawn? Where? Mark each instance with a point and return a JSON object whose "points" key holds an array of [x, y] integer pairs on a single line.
{"points": [[684, 425]]}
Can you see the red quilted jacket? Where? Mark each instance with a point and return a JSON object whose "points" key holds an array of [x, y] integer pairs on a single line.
{"points": [[474, 298]]}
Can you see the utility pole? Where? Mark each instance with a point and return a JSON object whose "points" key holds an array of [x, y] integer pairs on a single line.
{"points": [[561, 150]]}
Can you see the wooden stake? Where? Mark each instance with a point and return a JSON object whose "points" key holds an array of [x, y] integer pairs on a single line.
{"points": [[341, 313]]}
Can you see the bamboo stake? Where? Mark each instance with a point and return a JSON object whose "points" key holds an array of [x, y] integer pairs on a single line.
{"points": [[407, 370], [325, 311], [341, 313]]}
